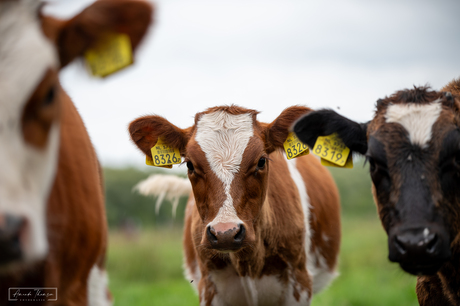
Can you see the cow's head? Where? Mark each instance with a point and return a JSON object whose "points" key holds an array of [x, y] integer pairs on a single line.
{"points": [[32, 51], [413, 148], [227, 156]]}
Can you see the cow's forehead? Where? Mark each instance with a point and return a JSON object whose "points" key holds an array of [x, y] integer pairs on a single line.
{"points": [[417, 119], [25, 54], [223, 138]]}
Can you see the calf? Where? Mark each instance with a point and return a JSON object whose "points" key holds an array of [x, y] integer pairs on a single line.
{"points": [[53, 228], [413, 148], [259, 229]]}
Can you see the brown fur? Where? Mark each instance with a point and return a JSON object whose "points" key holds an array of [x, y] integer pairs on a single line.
{"points": [[37, 118], [442, 288], [266, 199], [76, 222]]}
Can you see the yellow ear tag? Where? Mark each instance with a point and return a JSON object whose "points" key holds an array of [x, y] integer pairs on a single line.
{"points": [[110, 55], [294, 147], [163, 155], [348, 164], [332, 149], [149, 162]]}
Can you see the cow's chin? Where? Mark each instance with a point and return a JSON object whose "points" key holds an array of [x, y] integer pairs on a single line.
{"points": [[420, 269]]}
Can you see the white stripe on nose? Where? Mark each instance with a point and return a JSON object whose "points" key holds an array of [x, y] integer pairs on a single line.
{"points": [[223, 138]]}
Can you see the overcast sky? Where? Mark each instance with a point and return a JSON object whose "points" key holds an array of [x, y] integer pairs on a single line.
{"points": [[266, 55]]}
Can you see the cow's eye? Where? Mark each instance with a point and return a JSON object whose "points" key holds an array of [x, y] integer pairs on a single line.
{"points": [[261, 163], [379, 172], [190, 166], [49, 98], [457, 160], [371, 164]]}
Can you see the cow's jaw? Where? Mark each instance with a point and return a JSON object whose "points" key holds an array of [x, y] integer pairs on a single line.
{"points": [[27, 172]]}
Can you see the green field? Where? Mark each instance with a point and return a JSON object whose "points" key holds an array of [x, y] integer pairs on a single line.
{"points": [[147, 270]]}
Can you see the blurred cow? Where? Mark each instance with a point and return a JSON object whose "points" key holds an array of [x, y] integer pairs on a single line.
{"points": [[53, 228], [259, 229], [413, 148]]}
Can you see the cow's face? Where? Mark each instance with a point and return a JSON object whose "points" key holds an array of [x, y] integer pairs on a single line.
{"points": [[413, 144], [32, 51], [227, 156], [413, 148], [29, 129]]}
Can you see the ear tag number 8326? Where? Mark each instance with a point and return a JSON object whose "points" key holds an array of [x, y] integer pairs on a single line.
{"points": [[333, 151], [163, 155], [294, 147]]}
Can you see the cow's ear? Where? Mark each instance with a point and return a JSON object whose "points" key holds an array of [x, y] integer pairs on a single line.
{"points": [[74, 36], [326, 122], [146, 130], [277, 132]]}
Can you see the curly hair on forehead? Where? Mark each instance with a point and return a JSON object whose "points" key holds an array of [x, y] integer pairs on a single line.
{"points": [[417, 95]]}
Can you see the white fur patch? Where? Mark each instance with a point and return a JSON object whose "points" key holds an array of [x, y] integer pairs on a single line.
{"points": [[316, 265], [193, 278], [27, 173], [223, 138], [169, 187], [98, 285], [233, 289], [417, 119]]}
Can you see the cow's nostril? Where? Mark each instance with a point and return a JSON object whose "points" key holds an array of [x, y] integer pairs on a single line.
{"points": [[211, 233], [10, 239], [241, 233], [431, 243], [400, 246]]}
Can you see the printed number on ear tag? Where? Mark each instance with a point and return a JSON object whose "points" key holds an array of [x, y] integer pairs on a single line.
{"points": [[348, 164], [332, 149], [163, 155], [294, 147], [111, 54]]}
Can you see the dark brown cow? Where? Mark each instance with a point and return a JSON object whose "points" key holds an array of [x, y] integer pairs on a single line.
{"points": [[53, 229], [259, 229], [413, 148]]}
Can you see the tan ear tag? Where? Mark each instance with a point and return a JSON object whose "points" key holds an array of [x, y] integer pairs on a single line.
{"points": [[333, 151], [163, 155], [294, 147], [111, 54]]}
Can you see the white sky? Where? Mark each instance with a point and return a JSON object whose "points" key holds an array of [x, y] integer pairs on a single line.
{"points": [[266, 55]]}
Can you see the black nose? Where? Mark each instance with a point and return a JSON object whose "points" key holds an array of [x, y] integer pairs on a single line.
{"points": [[226, 236], [416, 244], [10, 244], [419, 250]]}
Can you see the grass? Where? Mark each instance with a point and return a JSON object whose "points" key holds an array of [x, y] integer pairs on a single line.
{"points": [[147, 270]]}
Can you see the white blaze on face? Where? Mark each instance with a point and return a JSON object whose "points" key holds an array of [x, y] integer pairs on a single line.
{"points": [[26, 172], [417, 119], [223, 138]]}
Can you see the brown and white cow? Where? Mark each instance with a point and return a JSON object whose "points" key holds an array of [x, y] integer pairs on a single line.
{"points": [[259, 229], [53, 229], [413, 148]]}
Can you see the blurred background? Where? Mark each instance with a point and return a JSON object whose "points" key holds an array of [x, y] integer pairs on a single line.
{"points": [[265, 55]]}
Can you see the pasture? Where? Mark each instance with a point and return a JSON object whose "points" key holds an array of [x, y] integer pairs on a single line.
{"points": [[145, 264]]}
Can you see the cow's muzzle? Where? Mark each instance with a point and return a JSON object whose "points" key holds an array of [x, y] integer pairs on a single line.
{"points": [[420, 250], [226, 236], [11, 228]]}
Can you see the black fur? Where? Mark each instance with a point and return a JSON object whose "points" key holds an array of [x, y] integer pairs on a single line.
{"points": [[326, 122]]}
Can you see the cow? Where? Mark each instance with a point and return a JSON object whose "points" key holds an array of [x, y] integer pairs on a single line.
{"points": [[412, 145], [53, 229], [259, 229]]}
